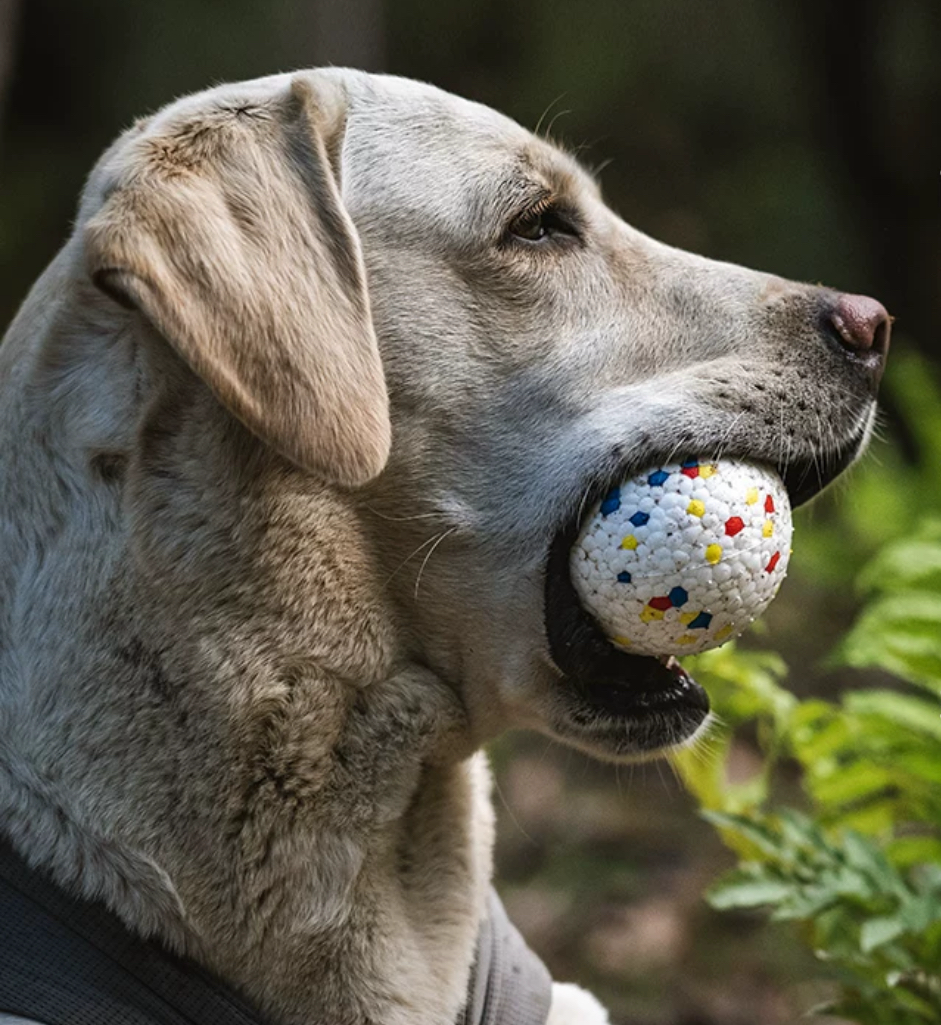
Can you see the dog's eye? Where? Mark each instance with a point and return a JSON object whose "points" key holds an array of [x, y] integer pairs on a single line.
{"points": [[539, 223]]}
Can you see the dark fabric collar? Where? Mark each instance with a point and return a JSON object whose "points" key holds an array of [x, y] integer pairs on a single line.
{"points": [[66, 961]]}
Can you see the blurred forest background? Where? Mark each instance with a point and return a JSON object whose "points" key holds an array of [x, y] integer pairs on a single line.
{"points": [[796, 137]]}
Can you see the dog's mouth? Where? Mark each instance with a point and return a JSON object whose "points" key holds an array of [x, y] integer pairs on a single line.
{"points": [[642, 704], [654, 701]]}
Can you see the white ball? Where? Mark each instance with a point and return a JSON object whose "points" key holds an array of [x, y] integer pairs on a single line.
{"points": [[683, 557]]}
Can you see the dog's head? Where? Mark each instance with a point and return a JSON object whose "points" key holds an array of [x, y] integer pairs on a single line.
{"points": [[342, 257]]}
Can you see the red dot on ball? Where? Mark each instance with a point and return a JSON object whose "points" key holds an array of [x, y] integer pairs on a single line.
{"points": [[734, 525]]}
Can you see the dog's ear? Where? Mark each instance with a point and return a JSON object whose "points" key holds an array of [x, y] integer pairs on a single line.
{"points": [[226, 230]]}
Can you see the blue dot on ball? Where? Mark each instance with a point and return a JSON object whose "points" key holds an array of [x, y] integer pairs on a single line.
{"points": [[611, 502], [701, 622], [639, 519], [657, 478], [624, 577], [679, 596]]}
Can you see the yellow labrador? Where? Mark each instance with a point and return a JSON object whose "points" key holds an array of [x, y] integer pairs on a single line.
{"points": [[295, 431]]}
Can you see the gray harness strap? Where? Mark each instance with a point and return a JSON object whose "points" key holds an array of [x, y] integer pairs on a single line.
{"points": [[65, 961], [509, 984]]}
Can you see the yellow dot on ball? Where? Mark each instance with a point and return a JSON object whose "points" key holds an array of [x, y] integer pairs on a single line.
{"points": [[768, 529], [713, 554], [707, 470], [687, 617], [751, 496], [724, 632], [648, 614], [696, 508], [623, 641], [630, 542]]}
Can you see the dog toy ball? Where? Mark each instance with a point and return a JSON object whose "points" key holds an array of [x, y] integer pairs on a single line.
{"points": [[683, 557]]}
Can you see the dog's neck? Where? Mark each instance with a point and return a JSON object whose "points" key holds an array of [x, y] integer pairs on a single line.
{"points": [[213, 728]]}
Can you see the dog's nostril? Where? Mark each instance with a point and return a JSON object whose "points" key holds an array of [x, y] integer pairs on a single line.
{"points": [[861, 324], [882, 335]]}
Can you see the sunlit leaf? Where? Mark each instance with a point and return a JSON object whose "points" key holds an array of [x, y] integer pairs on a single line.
{"points": [[905, 851], [745, 892], [756, 835], [921, 912], [902, 709], [877, 931]]}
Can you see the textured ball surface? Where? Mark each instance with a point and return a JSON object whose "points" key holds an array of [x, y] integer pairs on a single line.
{"points": [[683, 557]]}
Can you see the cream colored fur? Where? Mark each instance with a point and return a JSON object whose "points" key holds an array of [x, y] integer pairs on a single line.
{"points": [[247, 652]]}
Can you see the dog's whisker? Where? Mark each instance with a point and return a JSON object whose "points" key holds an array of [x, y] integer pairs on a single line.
{"points": [[431, 551], [408, 558], [510, 812], [401, 519], [782, 438], [545, 113], [815, 452], [547, 134], [674, 451], [673, 769], [666, 786], [596, 170], [703, 749], [728, 434], [583, 502]]}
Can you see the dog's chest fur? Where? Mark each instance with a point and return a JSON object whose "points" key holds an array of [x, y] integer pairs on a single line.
{"points": [[227, 698]]}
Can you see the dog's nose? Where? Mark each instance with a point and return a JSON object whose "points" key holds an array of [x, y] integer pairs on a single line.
{"points": [[862, 325]]}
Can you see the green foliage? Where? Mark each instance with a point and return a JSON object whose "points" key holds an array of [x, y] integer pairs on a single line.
{"points": [[901, 624], [877, 923], [885, 496], [860, 868]]}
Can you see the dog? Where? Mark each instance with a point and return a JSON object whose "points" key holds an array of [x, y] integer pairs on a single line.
{"points": [[296, 430]]}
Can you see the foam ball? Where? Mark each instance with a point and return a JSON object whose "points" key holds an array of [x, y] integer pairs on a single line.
{"points": [[683, 557]]}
